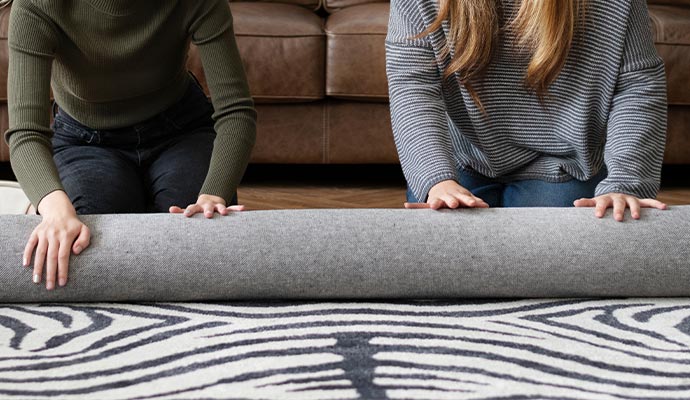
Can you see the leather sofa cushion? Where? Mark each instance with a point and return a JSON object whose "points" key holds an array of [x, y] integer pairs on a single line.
{"points": [[671, 27], [335, 5], [4, 51], [290, 133], [283, 49], [311, 4], [356, 52], [324, 132], [678, 136], [359, 133]]}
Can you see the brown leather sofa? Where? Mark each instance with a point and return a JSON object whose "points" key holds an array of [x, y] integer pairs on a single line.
{"points": [[317, 72]]}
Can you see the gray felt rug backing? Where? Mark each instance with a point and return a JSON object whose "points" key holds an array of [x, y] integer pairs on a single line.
{"points": [[364, 254]]}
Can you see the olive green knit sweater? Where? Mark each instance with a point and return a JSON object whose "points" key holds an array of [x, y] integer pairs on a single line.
{"points": [[115, 63]]}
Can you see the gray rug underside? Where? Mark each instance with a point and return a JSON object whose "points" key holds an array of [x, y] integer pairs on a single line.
{"points": [[364, 254]]}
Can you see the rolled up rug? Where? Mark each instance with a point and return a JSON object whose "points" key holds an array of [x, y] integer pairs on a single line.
{"points": [[363, 254]]}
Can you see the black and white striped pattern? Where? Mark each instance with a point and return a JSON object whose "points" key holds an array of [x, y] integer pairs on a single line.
{"points": [[607, 107], [565, 349]]}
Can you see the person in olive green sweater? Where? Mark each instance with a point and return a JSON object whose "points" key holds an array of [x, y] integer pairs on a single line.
{"points": [[133, 132]]}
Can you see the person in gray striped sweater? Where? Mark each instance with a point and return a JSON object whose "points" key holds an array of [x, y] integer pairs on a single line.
{"points": [[526, 103]]}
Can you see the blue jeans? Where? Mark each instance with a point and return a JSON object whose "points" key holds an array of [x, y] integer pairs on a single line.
{"points": [[147, 167], [527, 193]]}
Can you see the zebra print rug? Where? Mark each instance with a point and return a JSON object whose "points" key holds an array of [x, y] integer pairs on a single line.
{"points": [[527, 349]]}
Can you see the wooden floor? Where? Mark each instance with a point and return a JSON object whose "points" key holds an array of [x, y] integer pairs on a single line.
{"points": [[269, 187], [277, 196], [367, 187], [675, 196]]}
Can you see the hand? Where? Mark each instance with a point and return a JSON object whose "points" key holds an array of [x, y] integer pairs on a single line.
{"points": [[59, 234], [619, 202], [449, 194], [208, 205]]}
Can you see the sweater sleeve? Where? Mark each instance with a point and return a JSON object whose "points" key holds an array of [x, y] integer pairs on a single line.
{"points": [[418, 111], [234, 116], [636, 134], [32, 45]]}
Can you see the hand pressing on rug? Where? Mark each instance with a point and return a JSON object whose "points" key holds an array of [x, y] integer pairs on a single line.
{"points": [[208, 205], [619, 202], [59, 234], [449, 194]]}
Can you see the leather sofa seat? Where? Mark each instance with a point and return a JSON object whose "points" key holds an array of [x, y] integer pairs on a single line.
{"points": [[334, 5], [671, 28], [283, 48], [310, 4], [355, 65]]}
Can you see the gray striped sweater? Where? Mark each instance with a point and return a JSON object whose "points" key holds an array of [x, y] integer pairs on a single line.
{"points": [[606, 108]]}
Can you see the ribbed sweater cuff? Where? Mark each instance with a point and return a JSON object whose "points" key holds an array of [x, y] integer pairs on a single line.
{"points": [[33, 165], [644, 189], [421, 192], [231, 152]]}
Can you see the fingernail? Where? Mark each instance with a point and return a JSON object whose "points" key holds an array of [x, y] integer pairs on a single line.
{"points": [[24, 263], [62, 282], [37, 278], [50, 285], [78, 249]]}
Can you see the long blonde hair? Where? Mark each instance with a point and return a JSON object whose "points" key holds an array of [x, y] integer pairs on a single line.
{"points": [[544, 28]]}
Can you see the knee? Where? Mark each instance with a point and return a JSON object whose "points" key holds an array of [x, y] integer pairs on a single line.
{"points": [[86, 204]]}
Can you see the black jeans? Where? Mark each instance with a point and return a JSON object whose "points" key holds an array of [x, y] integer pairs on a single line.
{"points": [[147, 167]]}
